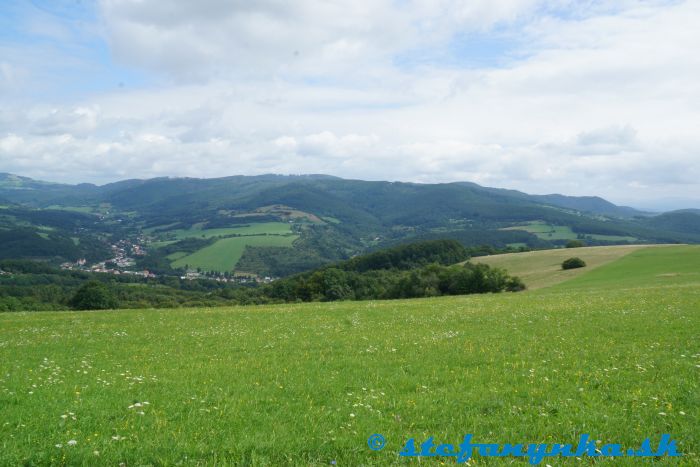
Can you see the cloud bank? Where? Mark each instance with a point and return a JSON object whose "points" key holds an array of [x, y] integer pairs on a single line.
{"points": [[542, 96]]}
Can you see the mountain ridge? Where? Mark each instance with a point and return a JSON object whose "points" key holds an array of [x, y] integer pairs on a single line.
{"points": [[330, 218]]}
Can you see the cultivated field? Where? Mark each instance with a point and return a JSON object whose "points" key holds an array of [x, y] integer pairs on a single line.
{"points": [[542, 268], [261, 228], [223, 255], [613, 353], [547, 231]]}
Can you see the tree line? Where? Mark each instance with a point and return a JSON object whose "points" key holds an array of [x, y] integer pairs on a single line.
{"points": [[424, 269]]}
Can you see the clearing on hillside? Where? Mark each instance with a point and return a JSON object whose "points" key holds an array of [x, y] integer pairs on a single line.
{"points": [[542, 268], [646, 267], [224, 254], [547, 231]]}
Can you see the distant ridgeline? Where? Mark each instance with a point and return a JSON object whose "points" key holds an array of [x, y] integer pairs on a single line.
{"points": [[414, 270], [278, 226]]}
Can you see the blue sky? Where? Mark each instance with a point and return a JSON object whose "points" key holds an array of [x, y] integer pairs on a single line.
{"points": [[565, 96], [64, 45]]}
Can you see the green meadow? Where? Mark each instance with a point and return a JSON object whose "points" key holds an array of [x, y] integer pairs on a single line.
{"points": [[542, 268], [223, 255], [262, 228], [547, 231], [612, 352]]}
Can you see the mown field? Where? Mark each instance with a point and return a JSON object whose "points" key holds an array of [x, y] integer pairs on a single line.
{"points": [[614, 353], [223, 255], [542, 268], [261, 228], [547, 231]]}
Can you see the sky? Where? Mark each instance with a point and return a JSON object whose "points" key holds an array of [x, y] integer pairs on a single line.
{"points": [[580, 97]]}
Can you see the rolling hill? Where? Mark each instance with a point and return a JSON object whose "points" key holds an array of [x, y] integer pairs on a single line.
{"points": [[611, 353], [542, 268], [334, 219]]}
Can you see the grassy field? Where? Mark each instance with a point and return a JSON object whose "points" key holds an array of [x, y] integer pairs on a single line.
{"points": [[543, 268], [83, 209], [613, 353], [262, 228], [653, 266], [224, 254], [547, 231]]}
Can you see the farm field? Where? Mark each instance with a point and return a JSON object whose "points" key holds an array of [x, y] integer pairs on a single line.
{"points": [[542, 268], [223, 255], [613, 352], [652, 267], [547, 231], [262, 228]]}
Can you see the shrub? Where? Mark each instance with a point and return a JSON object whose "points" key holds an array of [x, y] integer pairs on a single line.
{"points": [[515, 284], [573, 263], [575, 244]]}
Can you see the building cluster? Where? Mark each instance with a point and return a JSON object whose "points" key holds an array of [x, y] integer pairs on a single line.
{"points": [[238, 279], [121, 260]]}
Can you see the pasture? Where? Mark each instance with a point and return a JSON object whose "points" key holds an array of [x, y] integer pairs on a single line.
{"points": [[261, 228], [547, 231], [616, 356], [542, 268], [223, 255]]}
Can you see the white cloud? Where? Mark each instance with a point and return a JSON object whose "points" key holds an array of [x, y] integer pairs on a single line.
{"points": [[604, 100], [222, 38]]}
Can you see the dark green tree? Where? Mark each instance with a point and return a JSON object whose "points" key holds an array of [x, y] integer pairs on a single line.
{"points": [[573, 263], [93, 295]]}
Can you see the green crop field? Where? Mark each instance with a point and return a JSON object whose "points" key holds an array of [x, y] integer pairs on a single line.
{"points": [[224, 254], [613, 352]]}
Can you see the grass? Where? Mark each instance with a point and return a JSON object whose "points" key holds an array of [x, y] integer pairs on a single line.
{"points": [[306, 384], [176, 255], [543, 268], [82, 209], [262, 228], [547, 231], [224, 254], [651, 267]]}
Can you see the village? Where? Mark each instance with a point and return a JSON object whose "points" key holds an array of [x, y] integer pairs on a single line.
{"points": [[124, 252], [123, 262]]}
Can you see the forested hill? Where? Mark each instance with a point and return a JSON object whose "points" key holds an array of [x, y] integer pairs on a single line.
{"points": [[301, 222]]}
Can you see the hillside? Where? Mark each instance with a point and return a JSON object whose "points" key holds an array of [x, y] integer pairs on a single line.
{"points": [[328, 219], [665, 266], [542, 268], [167, 387]]}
